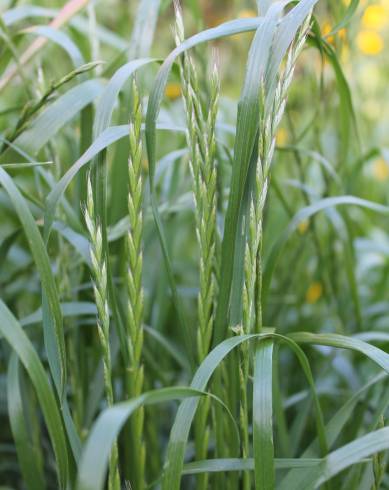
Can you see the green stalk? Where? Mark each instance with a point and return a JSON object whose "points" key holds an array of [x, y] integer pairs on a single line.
{"points": [[202, 146], [99, 270], [134, 288]]}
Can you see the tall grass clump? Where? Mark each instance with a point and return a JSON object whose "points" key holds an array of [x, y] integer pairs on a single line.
{"points": [[193, 245]]}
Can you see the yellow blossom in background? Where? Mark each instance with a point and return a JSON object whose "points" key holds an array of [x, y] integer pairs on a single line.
{"points": [[173, 91], [342, 33], [303, 226], [247, 14], [314, 292], [375, 17], [370, 42], [281, 137], [326, 29], [381, 170]]}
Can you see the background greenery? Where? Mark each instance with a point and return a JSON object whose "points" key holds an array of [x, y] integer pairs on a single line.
{"points": [[325, 252]]}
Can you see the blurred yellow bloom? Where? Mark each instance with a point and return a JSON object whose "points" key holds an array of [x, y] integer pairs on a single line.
{"points": [[381, 170], [314, 292], [247, 13], [303, 226], [326, 29], [375, 17], [370, 42], [173, 90], [342, 33], [281, 137]]}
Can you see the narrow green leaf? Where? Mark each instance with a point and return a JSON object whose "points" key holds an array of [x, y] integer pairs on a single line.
{"points": [[62, 40], [59, 113], [342, 342], [15, 336], [263, 417], [235, 464], [54, 339], [95, 456], [30, 465]]}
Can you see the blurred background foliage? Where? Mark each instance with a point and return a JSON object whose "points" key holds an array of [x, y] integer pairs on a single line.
{"points": [[334, 140]]}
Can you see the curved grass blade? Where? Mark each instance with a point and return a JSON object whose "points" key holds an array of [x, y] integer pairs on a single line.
{"points": [[94, 461], [108, 98], [186, 412], [64, 15], [14, 15], [340, 341], [292, 480], [62, 40], [144, 28], [71, 309], [236, 464], [30, 465], [303, 215], [52, 119], [54, 338], [349, 14], [105, 139], [15, 336], [346, 456]]}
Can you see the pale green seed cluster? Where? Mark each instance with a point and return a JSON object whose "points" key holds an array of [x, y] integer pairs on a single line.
{"points": [[134, 282], [99, 270], [252, 287], [202, 146], [269, 122]]}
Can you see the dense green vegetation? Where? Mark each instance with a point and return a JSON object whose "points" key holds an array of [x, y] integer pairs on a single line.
{"points": [[193, 245]]}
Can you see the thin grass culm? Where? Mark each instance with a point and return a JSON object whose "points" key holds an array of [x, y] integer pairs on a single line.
{"points": [[99, 271]]}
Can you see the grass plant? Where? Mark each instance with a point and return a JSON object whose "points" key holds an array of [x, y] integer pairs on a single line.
{"points": [[193, 245]]}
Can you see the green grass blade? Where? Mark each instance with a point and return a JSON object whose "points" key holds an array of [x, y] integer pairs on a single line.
{"points": [[263, 417], [236, 464], [108, 97], [103, 141], [54, 339], [346, 456], [14, 335], [293, 480], [97, 449], [342, 342], [62, 40], [30, 465]]}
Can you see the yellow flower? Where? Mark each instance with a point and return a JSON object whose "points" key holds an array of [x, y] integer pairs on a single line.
{"points": [[247, 13], [370, 42], [173, 90], [281, 137], [381, 170], [326, 29], [375, 17], [314, 292], [303, 226], [342, 33]]}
